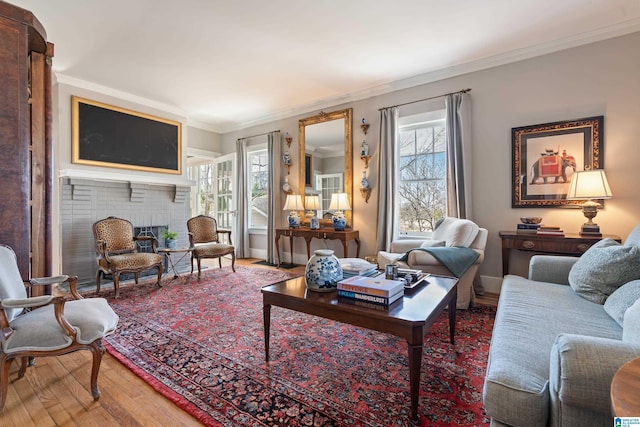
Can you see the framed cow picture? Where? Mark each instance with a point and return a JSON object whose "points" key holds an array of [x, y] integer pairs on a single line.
{"points": [[546, 156]]}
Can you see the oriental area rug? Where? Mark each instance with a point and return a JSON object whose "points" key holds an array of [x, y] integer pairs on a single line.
{"points": [[201, 344]]}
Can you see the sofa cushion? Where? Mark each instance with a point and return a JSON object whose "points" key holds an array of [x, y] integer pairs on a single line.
{"points": [[631, 331], [621, 299], [633, 239], [456, 232], [603, 268], [432, 243]]}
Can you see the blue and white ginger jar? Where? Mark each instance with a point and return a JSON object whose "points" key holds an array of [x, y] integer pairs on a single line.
{"points": [[323, 271]]}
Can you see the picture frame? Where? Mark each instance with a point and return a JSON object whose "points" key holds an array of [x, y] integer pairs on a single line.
{"points": [[308, 170], [110, 136], [545, 156]]}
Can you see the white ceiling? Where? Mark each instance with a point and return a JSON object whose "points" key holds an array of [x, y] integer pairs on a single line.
{"points": [[228, 64]]}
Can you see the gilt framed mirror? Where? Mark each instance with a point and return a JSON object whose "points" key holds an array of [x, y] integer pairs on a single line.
{"points": [[326, 145]]}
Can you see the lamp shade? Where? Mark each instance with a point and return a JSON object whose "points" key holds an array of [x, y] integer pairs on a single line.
{"points": [[339, 202], [591, 184], [293, 203], [312, 203]]}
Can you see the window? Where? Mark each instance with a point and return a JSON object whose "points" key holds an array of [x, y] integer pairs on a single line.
{"points": [[421, 173], [200, 171], [258, 191]]}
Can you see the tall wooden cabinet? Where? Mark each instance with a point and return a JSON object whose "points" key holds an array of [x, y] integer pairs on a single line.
{"points": [[25, 140]]}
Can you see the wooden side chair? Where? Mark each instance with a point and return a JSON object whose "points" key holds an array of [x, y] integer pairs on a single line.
{"points": [[47, 325], [204, 239], [116, 251]]}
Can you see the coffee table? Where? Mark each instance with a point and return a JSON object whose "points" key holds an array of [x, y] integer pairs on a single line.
{"points": [[408, 318]]}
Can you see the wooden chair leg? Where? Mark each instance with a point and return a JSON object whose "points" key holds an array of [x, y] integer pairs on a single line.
{"points": [[220, 261], [24, 362], [198, 268], [4, 379], [98, 274], [191, 262], [135, 277], [97, 350], [160, 270], [233, 261], [116, 283]]}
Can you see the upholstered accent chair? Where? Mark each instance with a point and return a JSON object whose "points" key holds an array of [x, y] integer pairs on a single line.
{"points": [[117, 253], [449, 233], [47, 325], [204, 238]]}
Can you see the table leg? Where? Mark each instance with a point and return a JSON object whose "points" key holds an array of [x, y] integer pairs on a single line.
{"points": [[291, 247], [452, 315], [357, 248], [345, 247], [266, 314], [415, 366], [505, 260], [278, 248]]}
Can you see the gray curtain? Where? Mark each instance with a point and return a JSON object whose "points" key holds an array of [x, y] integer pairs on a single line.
{"points": [[458, 121], [274, 141], [386, 176], [242, 213]]}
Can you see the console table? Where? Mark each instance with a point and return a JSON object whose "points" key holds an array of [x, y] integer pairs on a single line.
{"points": [[569, 244], [322, 233]]}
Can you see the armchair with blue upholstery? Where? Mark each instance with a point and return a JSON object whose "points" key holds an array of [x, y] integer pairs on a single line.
{"points": [[47, 325]]}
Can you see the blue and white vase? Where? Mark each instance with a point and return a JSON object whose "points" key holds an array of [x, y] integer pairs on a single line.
{"points": [[323, 271], [339, 221]]}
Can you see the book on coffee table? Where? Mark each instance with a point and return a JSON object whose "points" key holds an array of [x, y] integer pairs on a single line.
{"points": [[372, 285]]}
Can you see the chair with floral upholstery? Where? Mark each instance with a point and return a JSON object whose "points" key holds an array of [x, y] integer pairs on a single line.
{"points": [[204, 237], [116, 251], [47, 325]]}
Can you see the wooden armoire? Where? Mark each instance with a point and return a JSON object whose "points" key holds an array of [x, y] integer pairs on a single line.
{"points": [[25, 141]]}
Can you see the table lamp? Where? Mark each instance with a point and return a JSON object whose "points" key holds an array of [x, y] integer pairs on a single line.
{"points": [[339, 203], [589, 184], [312, 204], [293, 203]]}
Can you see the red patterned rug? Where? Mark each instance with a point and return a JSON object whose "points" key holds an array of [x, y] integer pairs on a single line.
{"points": [[201, 344]]}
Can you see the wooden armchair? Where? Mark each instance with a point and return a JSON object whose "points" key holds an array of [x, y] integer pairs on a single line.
{"points": [[116, 251], [204, 238], [47, 325]]}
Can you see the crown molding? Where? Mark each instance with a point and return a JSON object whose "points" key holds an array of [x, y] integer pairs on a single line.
{"points": [[620, 29]]}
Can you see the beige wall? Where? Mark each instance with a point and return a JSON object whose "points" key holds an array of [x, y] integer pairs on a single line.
{"points": [[597, 79]]}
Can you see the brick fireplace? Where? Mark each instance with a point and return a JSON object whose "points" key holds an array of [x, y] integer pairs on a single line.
{"points": [[150, 207]]}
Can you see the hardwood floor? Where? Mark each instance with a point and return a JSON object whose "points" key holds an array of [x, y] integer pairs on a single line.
{"points": [[56, 391]]}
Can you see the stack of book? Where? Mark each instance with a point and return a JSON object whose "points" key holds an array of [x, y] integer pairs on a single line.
{"points": [[376, 290], [357, 267], [550, 230], [524, 228]]}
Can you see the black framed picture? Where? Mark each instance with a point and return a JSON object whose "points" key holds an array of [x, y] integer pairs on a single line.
{"points": [[546, 156], [110, 136]]}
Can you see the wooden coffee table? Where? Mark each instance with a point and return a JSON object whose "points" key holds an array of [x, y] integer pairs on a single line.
{"points": [[408, 318]]}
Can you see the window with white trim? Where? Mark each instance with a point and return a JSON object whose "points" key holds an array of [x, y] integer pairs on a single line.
{"points": [[421, 173], [258, 188]]}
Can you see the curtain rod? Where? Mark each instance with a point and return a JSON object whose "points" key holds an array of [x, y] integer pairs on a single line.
{"points": [[426, 99], [260, 134]]}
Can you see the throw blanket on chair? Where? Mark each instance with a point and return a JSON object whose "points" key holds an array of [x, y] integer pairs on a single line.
{"points": [[457, 259]]}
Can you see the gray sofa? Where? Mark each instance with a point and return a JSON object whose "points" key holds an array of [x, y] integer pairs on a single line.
{"points": [[553, 350]]}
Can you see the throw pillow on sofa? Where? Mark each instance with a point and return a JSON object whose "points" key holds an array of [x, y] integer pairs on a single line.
{"points": [[621, 299], [603, 268]]}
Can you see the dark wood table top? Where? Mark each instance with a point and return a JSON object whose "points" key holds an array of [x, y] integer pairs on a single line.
{"points": [[416, 306]]}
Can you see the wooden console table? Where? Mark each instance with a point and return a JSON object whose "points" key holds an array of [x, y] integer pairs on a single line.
{"points": [[323, 233], [569, 244]]}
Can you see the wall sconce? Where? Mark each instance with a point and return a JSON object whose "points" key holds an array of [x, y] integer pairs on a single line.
{"points": [[365, 188], [339, 203], [293, 203], [288, 139], [364, 126], [312, 204], [589, 184]]}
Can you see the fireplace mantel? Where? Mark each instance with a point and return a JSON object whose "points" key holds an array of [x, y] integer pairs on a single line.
{"points": [[178, 181]]}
